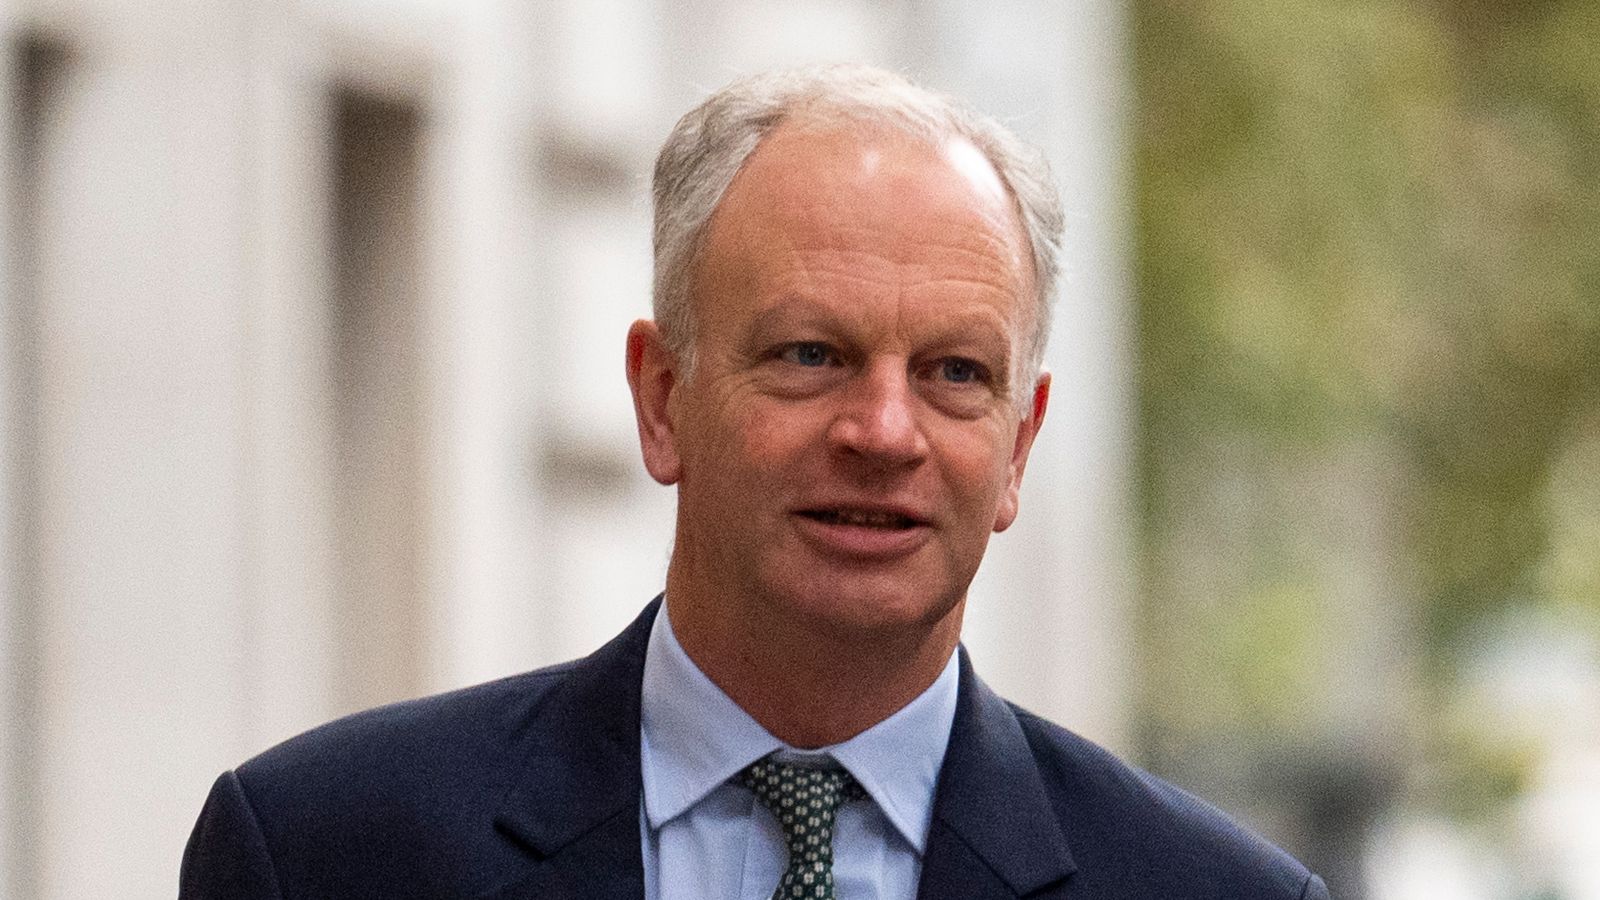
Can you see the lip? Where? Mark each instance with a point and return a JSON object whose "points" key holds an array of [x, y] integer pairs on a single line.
{"points": [[863, 543]]}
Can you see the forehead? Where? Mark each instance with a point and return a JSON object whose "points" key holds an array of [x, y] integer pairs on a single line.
{"points": [[875, 196]]}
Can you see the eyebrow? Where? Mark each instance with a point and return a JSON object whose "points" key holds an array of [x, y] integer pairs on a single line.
{"points": [[790, 310], [975, 328]]}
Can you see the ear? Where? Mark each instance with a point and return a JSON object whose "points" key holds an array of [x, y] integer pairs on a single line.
{"points": [[1027, 430], [652, 376]]}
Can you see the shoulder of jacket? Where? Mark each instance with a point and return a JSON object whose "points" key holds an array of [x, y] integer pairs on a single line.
{"points": [[1098, 793], [410, 737]]}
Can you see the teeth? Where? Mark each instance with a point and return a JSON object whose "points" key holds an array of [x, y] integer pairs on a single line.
{"points": [[865, 519]]}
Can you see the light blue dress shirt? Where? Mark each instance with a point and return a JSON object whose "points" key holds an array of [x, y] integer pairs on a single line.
{"points": [[705, 838]]}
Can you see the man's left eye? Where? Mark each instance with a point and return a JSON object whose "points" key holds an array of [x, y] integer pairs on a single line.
{"points": [[960, 371]]}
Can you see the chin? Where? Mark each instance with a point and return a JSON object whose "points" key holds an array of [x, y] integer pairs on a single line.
{"points": [[858, 609]]}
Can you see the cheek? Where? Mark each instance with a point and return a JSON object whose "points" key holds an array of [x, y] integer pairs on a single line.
{"points": [[977, 463], [772, 437], [742, 458]]}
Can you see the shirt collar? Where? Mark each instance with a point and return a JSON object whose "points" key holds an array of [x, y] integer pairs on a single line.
{"points": [[693, 738]]}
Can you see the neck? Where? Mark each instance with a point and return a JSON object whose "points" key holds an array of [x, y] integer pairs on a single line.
{"points": [[808, 684]]}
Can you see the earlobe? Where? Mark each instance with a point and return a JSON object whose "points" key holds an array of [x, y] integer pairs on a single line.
{"points": [[652, 377], [1027, 430]]}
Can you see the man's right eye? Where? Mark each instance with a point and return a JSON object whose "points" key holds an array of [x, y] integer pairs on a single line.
{"points": [[810, 355]]}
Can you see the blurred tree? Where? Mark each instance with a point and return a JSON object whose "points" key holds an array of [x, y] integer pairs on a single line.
{"points": [[1369, 335]]}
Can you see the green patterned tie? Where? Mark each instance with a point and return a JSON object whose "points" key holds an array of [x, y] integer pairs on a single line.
{"points": [[805, 799]]}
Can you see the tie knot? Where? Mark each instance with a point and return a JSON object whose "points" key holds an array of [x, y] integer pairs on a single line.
{"points": [[793, 791], [804, 799]]}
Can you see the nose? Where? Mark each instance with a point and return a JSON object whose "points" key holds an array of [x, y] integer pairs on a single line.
{"points": [[877, 420]]}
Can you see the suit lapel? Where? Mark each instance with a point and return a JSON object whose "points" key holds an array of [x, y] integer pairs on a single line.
{"points": [[994, 832], [574, 806]]}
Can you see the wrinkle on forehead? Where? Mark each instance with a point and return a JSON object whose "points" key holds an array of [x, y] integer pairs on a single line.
{"points": [[868, 207], [809, 236]]}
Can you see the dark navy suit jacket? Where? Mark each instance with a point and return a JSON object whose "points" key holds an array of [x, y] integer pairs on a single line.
{"points": [[529, 787]]}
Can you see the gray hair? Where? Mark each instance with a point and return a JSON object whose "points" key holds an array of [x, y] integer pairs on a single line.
{"points": [[711, 143]]}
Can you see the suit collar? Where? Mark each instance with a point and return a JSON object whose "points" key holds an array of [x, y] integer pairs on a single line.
{"points": [[575, 801], [995, 833]]}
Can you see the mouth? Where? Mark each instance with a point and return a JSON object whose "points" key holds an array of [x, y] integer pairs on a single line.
{"points": [[878, 519]]}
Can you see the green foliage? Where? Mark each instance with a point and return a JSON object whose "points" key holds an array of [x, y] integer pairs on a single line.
{"points": [[1368, 298]]}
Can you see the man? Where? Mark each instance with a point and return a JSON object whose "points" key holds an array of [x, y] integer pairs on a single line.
{"points": [[843, 382]]}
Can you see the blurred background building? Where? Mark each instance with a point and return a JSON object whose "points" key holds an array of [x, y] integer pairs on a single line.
{"points": [[311, 394]]}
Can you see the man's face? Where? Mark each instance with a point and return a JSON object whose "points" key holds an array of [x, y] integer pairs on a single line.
{"points": [[848, 439]]}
